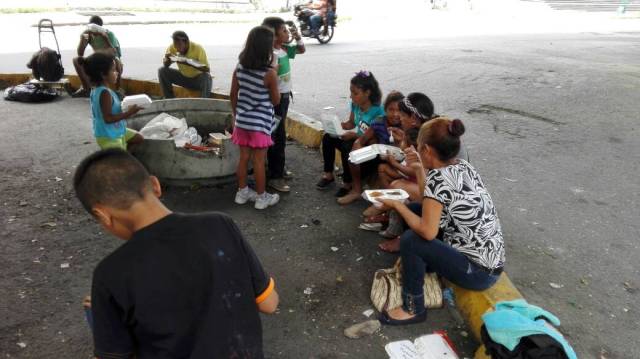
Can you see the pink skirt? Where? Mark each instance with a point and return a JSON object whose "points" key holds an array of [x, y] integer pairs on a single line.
{"points": [[251, 139]]}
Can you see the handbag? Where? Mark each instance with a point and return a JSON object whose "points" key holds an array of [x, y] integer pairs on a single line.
{"points": [[386, 290]]}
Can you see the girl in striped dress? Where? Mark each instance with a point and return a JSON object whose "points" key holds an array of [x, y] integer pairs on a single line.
{"points": [[254, 92]]}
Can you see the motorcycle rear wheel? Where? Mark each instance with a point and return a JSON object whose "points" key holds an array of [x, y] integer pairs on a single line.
{"points": [[326, 34]]}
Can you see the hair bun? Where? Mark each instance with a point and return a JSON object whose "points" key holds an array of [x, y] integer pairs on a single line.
{"points": [[456, 128]]}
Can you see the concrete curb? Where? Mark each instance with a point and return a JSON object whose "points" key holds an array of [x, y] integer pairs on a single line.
{"points": [[473, 304], [304, 129], [307, 131]]}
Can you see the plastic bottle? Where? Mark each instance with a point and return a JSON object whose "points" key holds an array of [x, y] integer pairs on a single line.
{"points": [[449, 298]]}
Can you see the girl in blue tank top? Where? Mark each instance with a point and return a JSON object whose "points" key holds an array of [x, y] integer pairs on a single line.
{"points": [[109, 122]]}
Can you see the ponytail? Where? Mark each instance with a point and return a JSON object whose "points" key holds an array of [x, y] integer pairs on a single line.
{"points": [[456, 128]]}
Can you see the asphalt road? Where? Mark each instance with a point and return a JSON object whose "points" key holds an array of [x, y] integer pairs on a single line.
{"points": [[553, 129]]}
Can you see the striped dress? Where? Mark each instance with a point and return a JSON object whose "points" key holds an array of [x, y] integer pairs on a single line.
{"points": [[254, 111]]}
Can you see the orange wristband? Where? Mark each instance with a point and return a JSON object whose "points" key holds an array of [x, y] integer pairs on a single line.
{"points": [[262, 297]]}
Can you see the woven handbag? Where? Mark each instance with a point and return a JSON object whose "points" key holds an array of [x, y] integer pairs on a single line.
{"points": [[386, 290]]}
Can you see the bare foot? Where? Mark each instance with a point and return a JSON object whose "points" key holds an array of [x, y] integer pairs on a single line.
{"points": [[399, 314], [390, 246]]}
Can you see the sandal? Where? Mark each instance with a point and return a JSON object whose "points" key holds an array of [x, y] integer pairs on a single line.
{"points": [[372, 211], [380, 218], [373, 227], [343, 192], [390, 246], [385, 319], [324, 183]]}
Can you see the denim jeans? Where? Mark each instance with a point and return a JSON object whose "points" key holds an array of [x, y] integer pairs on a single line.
{"points": [[88, 315], [168, 77], [420, 255], [329, 146], [316, 22]]}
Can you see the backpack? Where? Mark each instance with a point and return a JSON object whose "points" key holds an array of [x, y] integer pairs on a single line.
{"points": [[46, 65], [28, 92]]}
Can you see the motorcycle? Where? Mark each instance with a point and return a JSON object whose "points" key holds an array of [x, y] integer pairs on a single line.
{"points": [[303, 16]]}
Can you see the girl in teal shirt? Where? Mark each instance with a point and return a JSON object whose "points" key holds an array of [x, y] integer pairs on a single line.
{"points": [[109, 122], [365, 108]]}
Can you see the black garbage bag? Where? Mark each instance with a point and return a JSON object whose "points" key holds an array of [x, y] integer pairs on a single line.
{"points": [[28, 92]]}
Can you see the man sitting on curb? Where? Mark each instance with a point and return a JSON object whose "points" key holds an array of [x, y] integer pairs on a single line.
{"points": [[100, 40], [182, 285], [193, 67]]}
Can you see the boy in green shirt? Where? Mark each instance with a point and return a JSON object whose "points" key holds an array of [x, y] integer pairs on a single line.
{"points": [[193, 67], [282, 52], [100, 41]]}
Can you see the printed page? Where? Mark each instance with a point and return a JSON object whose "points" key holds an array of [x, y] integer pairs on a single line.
{"points": [[433, 346], [403, 349]]}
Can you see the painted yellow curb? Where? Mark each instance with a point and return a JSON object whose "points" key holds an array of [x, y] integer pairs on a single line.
{"points": [[130, 86], [473, 304], [304, 129], [301, 128]]}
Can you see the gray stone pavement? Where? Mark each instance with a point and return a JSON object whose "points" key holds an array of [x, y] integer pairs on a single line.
{"points": [[41, 300]]}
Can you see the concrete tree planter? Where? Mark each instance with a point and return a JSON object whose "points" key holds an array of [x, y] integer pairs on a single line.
{"points": [[184, 167]]}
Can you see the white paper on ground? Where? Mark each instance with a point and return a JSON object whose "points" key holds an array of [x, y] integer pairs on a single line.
{"points": [[431, 346]]}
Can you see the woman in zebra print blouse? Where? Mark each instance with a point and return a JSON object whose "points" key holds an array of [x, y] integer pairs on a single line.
{"points": [[455, 231]]}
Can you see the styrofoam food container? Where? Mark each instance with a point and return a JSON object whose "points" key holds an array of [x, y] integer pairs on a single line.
{"points": [[96, 28], [141, 100], [217, 137], [394, 194]]}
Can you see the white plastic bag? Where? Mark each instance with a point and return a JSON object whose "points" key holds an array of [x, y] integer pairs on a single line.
{"points": [[164, 127], [189, 136]]}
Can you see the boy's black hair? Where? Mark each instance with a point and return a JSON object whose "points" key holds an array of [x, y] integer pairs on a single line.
{"points": [[258, 50], [180, 35], [95, 19], [97, 65], [273, 22], [411, 136], [111, 177], [418, 102], [364, 80]]}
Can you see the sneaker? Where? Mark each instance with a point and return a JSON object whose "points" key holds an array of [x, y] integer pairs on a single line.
{"points": [[288, 175], [266, 199], [279, 185], [244, 195]]}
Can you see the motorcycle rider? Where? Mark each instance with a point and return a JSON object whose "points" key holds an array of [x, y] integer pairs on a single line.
{"points": [[320, 9]]}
